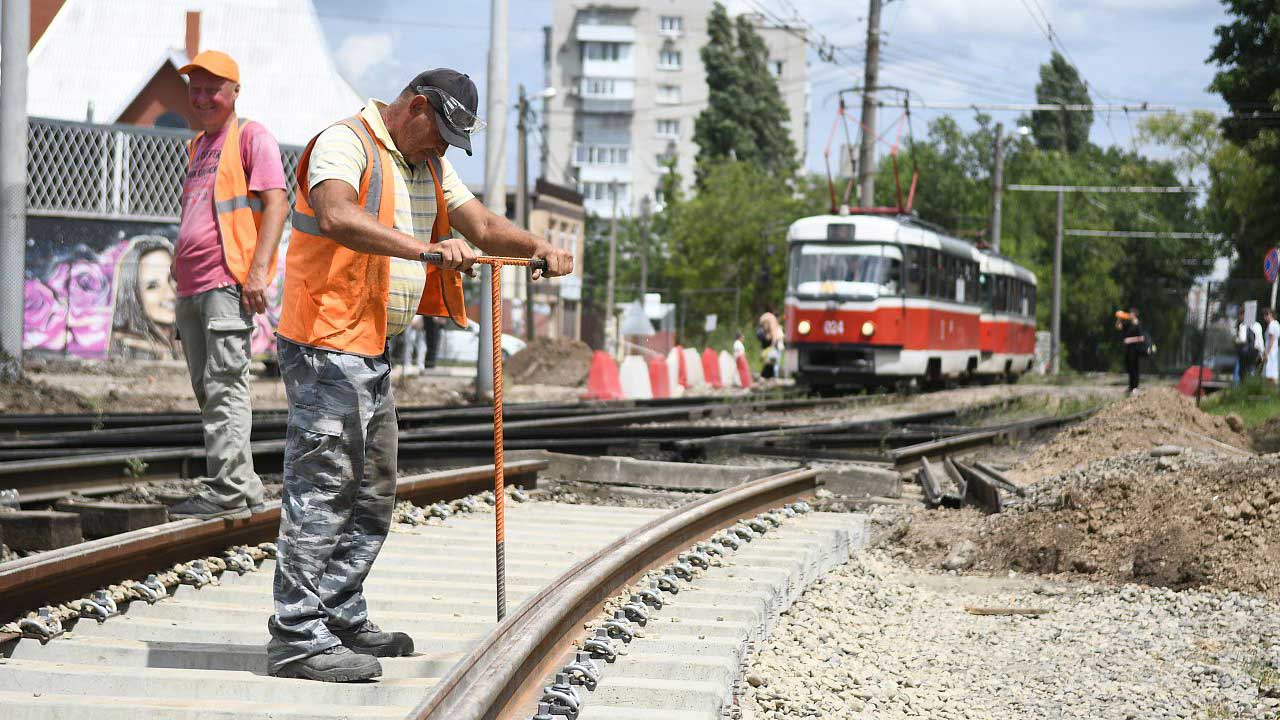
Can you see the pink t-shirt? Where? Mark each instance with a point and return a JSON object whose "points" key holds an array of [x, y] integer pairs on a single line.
{"points": [[199, 265]]}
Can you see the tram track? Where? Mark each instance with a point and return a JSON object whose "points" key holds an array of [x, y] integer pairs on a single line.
{"points": [[199, 654]]}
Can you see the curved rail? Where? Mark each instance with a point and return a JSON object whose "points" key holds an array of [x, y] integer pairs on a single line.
{"points": [[502, 676]]}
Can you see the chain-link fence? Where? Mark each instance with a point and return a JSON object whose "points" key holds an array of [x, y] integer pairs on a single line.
{"points": [[1234, 337], [115, 172]]}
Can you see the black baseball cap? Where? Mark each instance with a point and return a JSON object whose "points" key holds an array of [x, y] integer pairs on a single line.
{"points": [[455, 99]]}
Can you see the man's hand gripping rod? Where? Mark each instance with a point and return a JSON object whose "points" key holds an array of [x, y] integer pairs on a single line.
{"points": [[499, 495]]}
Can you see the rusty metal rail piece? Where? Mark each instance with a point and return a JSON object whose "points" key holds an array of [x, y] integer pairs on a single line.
{"points": [[910, 456], [67, 573], [502, 676]]}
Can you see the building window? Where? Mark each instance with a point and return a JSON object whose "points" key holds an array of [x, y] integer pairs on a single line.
{"points": [[669, 128], [775, 66], [668, 94], [605, 191], [599, 87], [669, 60], [671, 23], [603, 154], [607, 51]]}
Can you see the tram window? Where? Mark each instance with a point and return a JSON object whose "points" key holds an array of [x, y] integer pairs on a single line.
{"points": [[937, 274], [984, 280], [915, 272]]}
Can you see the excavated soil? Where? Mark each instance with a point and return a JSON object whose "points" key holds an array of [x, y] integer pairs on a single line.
{"points": [[1159, 416], [551, 361], [1189, 521], [32, 396]]}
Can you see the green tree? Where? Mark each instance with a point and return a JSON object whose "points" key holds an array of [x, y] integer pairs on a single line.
{"points": [[1248, 51], [745, 116], [1061, 84]]}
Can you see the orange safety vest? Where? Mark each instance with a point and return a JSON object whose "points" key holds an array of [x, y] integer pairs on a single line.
{"points": [[238, 209], [335, 297]]}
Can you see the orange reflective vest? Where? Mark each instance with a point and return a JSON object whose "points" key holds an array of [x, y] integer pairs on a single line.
{"points": [[239, 211], [335, 297]]}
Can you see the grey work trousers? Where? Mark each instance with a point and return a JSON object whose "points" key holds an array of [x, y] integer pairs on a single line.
{"points": [[215, 332], [339, 491]]}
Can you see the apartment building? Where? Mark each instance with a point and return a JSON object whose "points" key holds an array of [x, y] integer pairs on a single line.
{"points": [[630, 83]]}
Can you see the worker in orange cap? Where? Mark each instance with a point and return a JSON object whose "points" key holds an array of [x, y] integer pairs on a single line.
{"points": [[233, 210]]}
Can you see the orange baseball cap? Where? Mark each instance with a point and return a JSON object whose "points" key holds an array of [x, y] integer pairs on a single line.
{"points": [[218, 63]]}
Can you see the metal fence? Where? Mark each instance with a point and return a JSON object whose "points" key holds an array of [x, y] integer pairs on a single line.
{"points": [[112, 172]]}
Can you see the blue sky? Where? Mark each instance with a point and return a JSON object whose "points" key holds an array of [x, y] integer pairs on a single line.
{"points": [[945, 51]]}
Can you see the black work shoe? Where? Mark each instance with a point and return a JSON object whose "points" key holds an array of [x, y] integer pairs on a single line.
{"points": [[202, 508], [337, 664], [369, 639]]}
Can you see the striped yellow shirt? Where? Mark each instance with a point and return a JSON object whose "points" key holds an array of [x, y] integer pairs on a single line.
{"points": [[338, 155]]}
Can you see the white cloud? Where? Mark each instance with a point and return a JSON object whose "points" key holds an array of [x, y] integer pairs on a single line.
{"points": [[359, 54]]}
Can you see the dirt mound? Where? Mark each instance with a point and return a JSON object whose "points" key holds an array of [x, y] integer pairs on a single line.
{"points": [[551, 361], [1160, 416], [1191, 521], [1266, 437], [32, 396]]}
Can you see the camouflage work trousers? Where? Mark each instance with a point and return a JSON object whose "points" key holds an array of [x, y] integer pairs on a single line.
{"points": [[339, 490]]}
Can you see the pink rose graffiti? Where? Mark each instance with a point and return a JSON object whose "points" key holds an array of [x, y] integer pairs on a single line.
{"points": [[90, 306], [44, 318]]}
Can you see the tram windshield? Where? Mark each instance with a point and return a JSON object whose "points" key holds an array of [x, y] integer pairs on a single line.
{"points": [[862, 270]]}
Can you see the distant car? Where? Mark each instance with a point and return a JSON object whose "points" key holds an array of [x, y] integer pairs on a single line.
{"points": [[460, 346]]}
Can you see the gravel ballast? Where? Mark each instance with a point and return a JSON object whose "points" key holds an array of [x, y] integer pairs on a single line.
{"points": [[877, 639]]}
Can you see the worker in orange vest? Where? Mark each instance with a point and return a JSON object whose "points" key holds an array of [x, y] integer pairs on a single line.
{"points": [[374, 192], [233, 210]]}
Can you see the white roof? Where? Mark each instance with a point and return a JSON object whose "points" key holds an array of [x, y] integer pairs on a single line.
{"points": [[878, 228], [106, 52], [1001, 265]]}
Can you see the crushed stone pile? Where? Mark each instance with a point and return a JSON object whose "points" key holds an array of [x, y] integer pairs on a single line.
{"points": [[25, 395], [1160, 416], [1194, 520], [551, 361]]}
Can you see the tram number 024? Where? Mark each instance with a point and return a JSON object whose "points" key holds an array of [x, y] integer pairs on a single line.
{"points": [[833, 327]]}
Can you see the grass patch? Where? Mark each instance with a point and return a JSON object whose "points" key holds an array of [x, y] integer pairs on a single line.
{"points": [[1253, 400]]}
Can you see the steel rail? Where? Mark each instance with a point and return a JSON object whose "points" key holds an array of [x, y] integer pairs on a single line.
{"points": [[72, 571], [501, 677], [909, 456]]}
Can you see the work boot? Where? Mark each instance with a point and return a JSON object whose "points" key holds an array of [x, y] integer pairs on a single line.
{"points": [[369, 639], [336, 664], [202, 508]]}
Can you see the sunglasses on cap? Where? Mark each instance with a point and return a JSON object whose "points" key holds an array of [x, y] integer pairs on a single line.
{"points": [[454, 112]]}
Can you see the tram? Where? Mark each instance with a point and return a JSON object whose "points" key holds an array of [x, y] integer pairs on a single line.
{"points": [[880, 301]]}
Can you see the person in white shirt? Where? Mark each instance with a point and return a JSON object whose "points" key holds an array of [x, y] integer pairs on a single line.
{"points": [[739, 349], [1271, 351], [1249, 346]]}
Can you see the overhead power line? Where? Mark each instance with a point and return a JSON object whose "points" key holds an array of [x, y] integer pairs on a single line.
{"points": [[1106, 189], [1141, 234], [1143, 107]]}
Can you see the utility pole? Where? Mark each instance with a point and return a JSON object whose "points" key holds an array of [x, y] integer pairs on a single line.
{"points": [[867, 157], [644, 247], [522, 199], [15, 40], [1055, 345], [997, 189], [495, 184], [613, 262]]}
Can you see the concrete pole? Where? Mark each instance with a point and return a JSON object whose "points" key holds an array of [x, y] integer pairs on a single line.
{"points": [[15, 38], [1055, 347], [644, 247], [867, 156], [484, 347], [997, 189], [613, 268], [522, 199], [495, 153]]}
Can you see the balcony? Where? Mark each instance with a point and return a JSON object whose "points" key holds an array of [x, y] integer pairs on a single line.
{"points": [[605, 33]]}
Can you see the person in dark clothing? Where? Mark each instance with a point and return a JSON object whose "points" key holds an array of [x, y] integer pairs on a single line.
{"points": [[1135, 345]]}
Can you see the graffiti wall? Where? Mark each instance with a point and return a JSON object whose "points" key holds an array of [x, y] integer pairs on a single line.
{"points": [[99, 290]]}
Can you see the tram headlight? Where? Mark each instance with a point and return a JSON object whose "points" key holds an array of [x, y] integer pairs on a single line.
{"points": [[868, 328], [803, 327]]}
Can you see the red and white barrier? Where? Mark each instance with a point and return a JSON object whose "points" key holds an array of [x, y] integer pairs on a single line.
{"points": [[634, 375], [602, 381], [694, 378], [659, 377], [711, 368], [728, 371], [744, 371]]}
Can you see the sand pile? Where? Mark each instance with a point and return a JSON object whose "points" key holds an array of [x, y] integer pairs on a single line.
{"points": [[551, 361], [1160, 416]]}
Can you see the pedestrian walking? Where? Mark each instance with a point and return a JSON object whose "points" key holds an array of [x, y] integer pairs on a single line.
{"points": [[1248, 340], [374, 192], [739, 349], [1271, 349], [414, 347], [233, 211], [1135, 342]]}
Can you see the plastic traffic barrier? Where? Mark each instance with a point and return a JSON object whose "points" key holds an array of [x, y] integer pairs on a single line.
{"points": [[694, 379], [602, 382], [744, 371], [728, 371], [675, 372], [711, 368], [635, 379], [659, 377]]}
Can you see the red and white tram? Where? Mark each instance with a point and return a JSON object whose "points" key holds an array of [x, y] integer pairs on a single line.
{"points": [[881, 300]]}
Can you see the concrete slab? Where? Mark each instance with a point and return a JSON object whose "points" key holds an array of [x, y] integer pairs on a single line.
{"points": [[40, 529], [104, 519], [693, 477], [862, 481], [27, 705]]}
